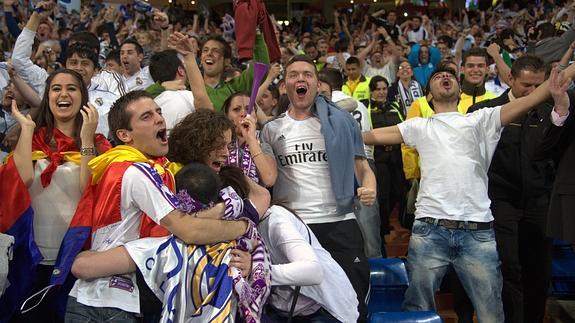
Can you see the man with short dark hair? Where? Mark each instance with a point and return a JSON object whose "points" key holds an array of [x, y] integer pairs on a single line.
{"points": [[132, 196], [134, 76], [216, 54], [519, 191], [453, 225], [356, 85], [548, 46], [166, 66], [319, 151]]}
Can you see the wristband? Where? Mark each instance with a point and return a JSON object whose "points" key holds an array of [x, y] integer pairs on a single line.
{"points": [[257, 154], [165, 28], [39, 9], [87, 151]]}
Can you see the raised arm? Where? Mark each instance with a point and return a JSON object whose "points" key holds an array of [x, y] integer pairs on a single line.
{"points": [[557, 85], [23, 150], [189, 49], [383, 136], [266, 165], [502, 68], [87, 136], [273, 73], [31, 73], [567, 57], [161, 20]]}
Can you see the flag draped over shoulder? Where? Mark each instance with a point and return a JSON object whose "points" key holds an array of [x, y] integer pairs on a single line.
{"points": [[100, 204], [16, 213], [16, 216]]}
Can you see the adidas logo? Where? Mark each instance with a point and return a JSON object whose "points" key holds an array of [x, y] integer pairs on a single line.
{"points": [[356, 260], [282, 137]]}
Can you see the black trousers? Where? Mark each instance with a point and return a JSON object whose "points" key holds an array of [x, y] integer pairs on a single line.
{"points": [[391, 186], [47, 310], [525, 254], [344, 242]]}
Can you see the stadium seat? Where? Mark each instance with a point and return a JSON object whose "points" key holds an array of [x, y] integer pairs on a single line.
{"points": [[405, 317], [388, 284], [563, 270]]}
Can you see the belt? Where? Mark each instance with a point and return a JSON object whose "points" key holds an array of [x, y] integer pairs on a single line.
{"points": [[454, 224], [388, 148]]}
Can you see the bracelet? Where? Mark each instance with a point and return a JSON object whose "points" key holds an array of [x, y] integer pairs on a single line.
{"points": [[87, 151], [561, 66], [387, 38], [165, 28], [257, 154]]}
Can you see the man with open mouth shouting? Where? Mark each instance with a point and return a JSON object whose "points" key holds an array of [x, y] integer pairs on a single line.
{"points": [[319, 152], [453, 221]]}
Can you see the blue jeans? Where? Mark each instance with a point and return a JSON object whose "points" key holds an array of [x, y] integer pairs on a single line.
{"points": [[473, 255], [370, 224], [80, 313]]}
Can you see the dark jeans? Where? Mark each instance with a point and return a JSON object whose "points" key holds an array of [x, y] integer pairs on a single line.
{"points": [[344, 242], [525, 255], [321, 316], [80, 313], [391, 186]]}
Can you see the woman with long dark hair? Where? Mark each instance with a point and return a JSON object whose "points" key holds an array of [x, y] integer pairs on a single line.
{"points": [[49, 168]]}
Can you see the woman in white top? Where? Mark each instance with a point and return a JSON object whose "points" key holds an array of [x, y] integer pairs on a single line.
{"points": [[298, 259], [51, 161]]}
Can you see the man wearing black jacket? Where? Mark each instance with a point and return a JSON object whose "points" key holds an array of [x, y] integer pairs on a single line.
{"points": [[519, 189]]}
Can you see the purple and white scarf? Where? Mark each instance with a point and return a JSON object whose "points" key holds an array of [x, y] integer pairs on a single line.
{"points": [[245, 162]]}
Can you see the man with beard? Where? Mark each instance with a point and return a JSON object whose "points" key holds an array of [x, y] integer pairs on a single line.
{"points": [[454, 224]]}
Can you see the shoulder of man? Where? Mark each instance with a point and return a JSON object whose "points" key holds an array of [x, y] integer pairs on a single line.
{"points": [[491, 103]]}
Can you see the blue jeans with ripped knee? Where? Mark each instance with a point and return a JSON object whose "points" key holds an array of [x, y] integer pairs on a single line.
{"points": [[473, 255]]}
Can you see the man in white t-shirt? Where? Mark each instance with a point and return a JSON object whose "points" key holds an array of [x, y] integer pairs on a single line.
{"points": [[132, 176], [176, 104], [454, 225], [301, 143]]}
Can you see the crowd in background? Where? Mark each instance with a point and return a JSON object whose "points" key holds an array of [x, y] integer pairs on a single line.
{"points": [[85, 92]]}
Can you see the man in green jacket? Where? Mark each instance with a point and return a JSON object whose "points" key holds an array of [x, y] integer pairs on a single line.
{"points": [[215, 56]]}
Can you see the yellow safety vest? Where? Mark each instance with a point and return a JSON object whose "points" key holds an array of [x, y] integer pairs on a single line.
{"points": [[361, 90]]}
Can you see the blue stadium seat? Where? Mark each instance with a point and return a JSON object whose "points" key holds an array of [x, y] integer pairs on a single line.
{"points": [[405, 317], [563, 270], [388, 284]]}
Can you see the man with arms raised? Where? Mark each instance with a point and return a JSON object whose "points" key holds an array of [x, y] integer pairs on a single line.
{"points": [[454, 225]]}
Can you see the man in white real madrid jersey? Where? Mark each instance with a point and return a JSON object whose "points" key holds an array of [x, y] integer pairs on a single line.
{"points": [[320, 154], [135, 77]]}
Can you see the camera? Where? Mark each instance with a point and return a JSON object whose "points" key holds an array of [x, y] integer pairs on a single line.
{"points": [[379, 22]]}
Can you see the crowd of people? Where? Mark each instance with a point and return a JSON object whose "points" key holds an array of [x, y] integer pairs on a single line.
{"points": [[164, 165]]}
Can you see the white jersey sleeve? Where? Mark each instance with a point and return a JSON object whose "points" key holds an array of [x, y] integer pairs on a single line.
{"points": [[31, 73], [109, 81], [143, 188]]}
